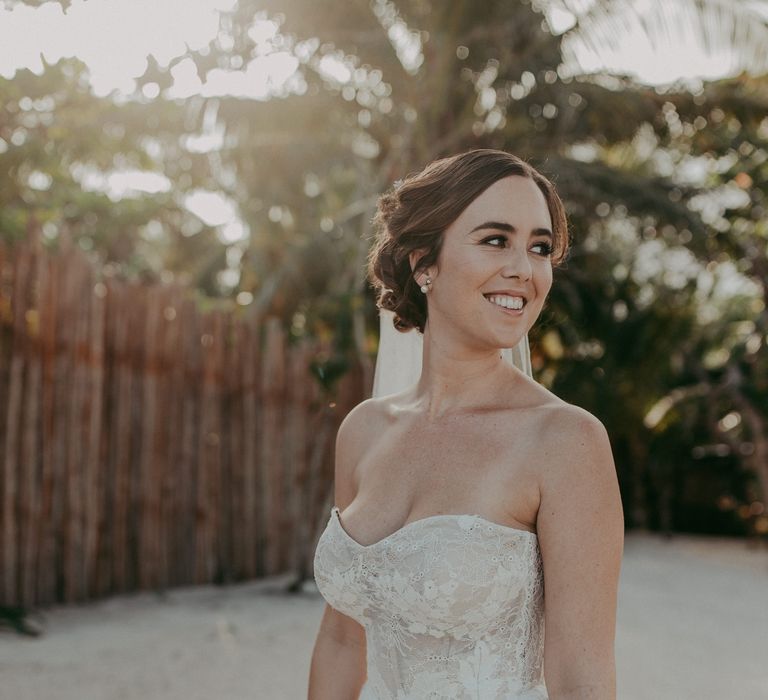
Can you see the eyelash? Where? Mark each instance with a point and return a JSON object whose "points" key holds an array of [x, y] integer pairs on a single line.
{"points": [[547, 248]]}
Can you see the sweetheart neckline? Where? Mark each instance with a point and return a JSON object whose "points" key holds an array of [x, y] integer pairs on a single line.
{"points": [[516, 530]]}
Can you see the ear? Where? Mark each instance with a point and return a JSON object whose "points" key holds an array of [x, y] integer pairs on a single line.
{"points": [[414, 256]]}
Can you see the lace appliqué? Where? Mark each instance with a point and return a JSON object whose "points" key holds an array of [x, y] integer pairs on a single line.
{"points": [[452, 606]]}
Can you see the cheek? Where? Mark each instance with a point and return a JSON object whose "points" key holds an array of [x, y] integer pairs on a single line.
{"points": [[460, 273], [544, 278], [543, 284]]}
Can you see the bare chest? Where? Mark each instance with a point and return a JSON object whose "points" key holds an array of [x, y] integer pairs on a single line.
{"points": [[485, 466]]}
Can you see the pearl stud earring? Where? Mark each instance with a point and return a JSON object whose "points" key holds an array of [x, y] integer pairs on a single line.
{"points": [[425, 286]]}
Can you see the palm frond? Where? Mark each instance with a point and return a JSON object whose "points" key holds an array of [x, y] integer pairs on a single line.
{"points": [[736, 30]]}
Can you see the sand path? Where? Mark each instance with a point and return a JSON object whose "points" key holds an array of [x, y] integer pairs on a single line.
{"points": [[692, 625]]}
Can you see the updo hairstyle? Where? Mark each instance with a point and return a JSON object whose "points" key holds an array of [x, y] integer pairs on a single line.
{"points": [[414, 213]]}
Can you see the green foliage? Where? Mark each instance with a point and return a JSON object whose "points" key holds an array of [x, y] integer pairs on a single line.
{"points": [[665, 191]]}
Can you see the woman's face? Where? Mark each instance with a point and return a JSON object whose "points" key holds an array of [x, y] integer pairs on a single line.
{"points": [[498, 248]]}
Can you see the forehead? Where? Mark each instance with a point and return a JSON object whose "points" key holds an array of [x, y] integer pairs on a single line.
{"points": [[515, 200]]}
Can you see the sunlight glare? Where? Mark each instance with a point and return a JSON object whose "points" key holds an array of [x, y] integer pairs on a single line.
{"points": [[119, 184], [212, 208], [115, 38], [112, 37]]}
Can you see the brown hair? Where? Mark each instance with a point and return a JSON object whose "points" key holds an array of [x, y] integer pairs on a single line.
{"points": [[415, 212]]}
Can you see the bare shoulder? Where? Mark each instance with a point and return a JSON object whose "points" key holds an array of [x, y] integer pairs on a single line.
{"points": [[579, 486], [574, 420], [357, 431], [579, 437], [363, 423], [554, 416], [565, 441], [580, 527], [559, 425], [572, 444]]}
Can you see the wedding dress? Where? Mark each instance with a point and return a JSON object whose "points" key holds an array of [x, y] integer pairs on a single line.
{"points": [[452, 605]]}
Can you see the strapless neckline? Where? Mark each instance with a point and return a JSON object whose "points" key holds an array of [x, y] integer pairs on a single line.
{"points": [[452, 606], [511, 530]]}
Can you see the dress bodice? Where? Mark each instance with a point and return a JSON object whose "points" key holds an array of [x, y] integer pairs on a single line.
{"points": [[452, 607]]}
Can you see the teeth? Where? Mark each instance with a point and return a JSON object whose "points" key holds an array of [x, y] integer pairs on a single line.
{"points": [[506, 301]]}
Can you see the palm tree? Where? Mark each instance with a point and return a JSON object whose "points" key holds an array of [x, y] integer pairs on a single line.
{"points": [[382, 87], [388, 86]]}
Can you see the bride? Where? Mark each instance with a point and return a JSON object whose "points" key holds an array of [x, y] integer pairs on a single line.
{"points": [[474, 509]]}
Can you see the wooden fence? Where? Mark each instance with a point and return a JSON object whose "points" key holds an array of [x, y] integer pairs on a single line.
{"points": [[144, 444]]}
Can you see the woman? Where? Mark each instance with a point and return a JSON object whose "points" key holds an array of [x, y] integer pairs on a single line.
{"points": [[474, 509]]}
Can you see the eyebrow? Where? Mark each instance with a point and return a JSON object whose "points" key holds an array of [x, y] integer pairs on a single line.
{"points": [[509, 228]]}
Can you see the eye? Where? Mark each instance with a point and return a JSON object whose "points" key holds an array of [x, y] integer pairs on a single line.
{"points": [[546, 247], [503, 239]]}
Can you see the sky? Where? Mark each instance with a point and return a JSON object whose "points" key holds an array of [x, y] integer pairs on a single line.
{"points": [[114, 38]]}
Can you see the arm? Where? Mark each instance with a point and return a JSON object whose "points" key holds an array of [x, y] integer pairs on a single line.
{"points": [[581, 535], [338, 667]]}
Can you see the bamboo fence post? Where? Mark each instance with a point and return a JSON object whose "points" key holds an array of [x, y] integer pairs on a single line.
{"points": [[173, 393], [296, 439], [187, 524], [22, 267], [209, 471], [121, 432], [7, 280], [273, 383], [148, 474], [46, 543], [252, 440], [29, 493], [229, 447], [94, 472]]}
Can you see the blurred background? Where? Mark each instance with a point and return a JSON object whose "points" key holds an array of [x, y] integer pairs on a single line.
{"points": [[186, 191]]}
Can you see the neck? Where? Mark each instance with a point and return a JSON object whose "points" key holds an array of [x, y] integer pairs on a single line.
{"points": [[456, 378]]}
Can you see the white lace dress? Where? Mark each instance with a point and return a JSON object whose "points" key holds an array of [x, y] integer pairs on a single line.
{"points": [[452, 606]]}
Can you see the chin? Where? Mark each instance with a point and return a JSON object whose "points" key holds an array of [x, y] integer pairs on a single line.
{"points": [[508, 340]]}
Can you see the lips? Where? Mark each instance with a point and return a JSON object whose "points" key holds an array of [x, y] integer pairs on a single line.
{"points": [[509, 311], [508, 293], [500, 294]]}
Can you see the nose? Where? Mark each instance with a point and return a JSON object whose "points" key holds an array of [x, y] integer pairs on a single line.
{"points": [[517, 264]]}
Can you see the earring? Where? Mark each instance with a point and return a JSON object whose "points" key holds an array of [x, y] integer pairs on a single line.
{"points": [[425, 286]]}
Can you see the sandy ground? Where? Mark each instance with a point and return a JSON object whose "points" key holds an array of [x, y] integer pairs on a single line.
{"points": [[692, 625]]}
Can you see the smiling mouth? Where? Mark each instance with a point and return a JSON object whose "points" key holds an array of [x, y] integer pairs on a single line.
{"points": [[505, 303]]}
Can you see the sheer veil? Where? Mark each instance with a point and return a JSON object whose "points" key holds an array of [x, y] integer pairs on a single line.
{"points": [[398, 361]]}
